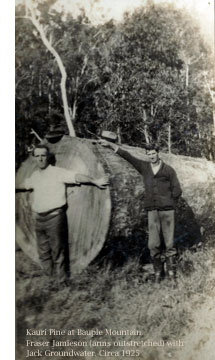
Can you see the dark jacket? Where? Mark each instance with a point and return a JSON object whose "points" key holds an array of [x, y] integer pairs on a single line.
{"points": [[162, 190]]}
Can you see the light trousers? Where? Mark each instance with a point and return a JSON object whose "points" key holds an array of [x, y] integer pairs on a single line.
{"points": [[161, 221]]}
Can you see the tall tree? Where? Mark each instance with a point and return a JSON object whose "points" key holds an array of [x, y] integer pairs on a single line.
{"points": [[150, 90], [33, 13]]}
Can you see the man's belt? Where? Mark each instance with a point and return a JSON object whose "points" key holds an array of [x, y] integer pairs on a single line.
{"points": [[49, 214]]}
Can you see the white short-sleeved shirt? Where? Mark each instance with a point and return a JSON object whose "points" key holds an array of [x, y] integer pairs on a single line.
{"points": [[49, 187]]}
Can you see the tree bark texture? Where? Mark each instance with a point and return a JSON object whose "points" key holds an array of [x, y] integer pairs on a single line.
{"points": [[90, 210], [111, 224]]}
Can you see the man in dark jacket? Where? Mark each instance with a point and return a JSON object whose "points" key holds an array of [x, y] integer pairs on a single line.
{"points": [[162, 191]]}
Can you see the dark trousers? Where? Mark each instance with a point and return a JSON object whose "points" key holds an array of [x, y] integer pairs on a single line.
{"points": [[161, 220], [51, 232]]}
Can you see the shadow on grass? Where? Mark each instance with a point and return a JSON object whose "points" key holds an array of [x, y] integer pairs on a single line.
{"points": [[118, 250]]}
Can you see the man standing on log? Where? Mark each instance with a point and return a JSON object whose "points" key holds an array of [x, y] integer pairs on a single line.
{"points": [[49, 204], [162, 191]]}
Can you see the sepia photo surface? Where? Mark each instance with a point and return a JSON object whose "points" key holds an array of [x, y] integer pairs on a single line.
{"points": [[115, 178]]}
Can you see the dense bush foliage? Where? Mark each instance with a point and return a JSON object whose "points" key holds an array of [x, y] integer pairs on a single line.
{"points": [[145, 76]]}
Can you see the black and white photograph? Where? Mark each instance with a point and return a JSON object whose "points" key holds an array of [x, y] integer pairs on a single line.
{"points": [[115, 179]]}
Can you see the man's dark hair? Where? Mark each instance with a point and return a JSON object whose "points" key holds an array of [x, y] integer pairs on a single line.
{"points": [[152, 146], [41, 146]]}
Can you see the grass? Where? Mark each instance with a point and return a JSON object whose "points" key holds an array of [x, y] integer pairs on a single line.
{"points": [[117, 299]]}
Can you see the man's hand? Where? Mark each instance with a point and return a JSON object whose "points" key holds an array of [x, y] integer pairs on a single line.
{"points": [[105, 143], [102, 182], [108, 144]]}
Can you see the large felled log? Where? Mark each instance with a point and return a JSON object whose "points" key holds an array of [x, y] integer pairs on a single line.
{"points": [[89, 212], [113, 221]]}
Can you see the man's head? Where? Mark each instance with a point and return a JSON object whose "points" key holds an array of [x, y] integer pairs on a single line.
{"points": [[152, 151], [41, 155]]}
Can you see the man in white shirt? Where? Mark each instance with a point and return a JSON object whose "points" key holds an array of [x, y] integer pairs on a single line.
{"points": [[49, 201]]}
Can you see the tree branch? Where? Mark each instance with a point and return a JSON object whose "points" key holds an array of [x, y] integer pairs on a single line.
{"points": [[57, 57], [34, 133]]}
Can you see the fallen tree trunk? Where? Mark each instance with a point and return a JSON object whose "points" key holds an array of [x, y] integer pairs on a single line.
{"points": [[90, 210], [112, 223]]}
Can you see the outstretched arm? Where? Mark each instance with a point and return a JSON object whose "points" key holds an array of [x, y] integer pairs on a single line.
{"points": [[22, 187], [101, 183], [137, 163], [109, 144]]}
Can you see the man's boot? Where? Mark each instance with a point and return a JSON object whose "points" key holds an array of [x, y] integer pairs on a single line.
{"points": [[171, 267], [158, 269]]}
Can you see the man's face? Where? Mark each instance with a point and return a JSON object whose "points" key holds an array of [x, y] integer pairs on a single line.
{"points": [[153, 156], [41, 157]]}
